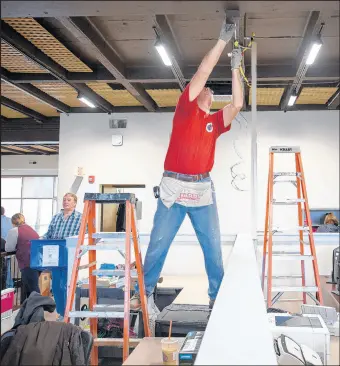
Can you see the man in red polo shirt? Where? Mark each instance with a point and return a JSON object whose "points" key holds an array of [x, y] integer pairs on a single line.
{"points": [[186, 187]]}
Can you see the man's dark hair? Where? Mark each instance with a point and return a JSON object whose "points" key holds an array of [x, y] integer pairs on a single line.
{"points": [[2, 211]]}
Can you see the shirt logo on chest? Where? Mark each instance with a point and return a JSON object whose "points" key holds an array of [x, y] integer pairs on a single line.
{"points": [[209, 127]]}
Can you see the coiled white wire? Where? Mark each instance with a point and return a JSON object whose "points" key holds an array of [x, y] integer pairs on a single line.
{"points": [[238, 177]]}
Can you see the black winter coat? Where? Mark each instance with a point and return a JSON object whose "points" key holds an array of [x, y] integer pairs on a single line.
{"points": [[45, 343]]}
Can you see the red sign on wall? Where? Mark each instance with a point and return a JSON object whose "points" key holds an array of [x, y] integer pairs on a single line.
{"points": [[91, 179]]}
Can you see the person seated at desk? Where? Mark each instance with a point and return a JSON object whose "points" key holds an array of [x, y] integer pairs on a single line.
{"points": [[67, 222], [330, 225], [19, 240]]}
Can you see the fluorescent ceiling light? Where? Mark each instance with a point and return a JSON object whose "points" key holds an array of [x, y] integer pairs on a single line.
{"points": [[162, 52], [292, 100], [314, 51], [86, 101]]}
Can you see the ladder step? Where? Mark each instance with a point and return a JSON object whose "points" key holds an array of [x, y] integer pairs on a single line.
{"points": [[288, 201], [115, 342], [285, 181], [96, 314], [285, 277], [107, 307], [286, 174], [291, 256], [297, 228], [109, 235], [284, 149], [294, 289], [113, 272], [103, 247], [110, 197], [288, 243]]}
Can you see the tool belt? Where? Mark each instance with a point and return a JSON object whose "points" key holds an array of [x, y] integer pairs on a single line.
{"points": [[185, 177]]}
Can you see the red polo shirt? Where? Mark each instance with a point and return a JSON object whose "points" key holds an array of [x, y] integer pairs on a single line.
{"points": [[193, 138]]}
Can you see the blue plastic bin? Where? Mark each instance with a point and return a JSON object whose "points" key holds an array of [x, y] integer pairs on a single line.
{"points": [[56, 261], [37, 250]]}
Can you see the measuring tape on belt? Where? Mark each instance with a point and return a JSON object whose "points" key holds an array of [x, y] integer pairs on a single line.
{"points": [[244, 49]]}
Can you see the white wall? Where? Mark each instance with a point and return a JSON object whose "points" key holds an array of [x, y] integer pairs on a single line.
{"points": [[317, 133], [85, 140], [23, 165]]}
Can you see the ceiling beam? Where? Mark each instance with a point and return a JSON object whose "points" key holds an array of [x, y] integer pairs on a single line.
{"points": [[38, 117], [334, 100], [87, 33], [28, 122], [37, 93], [20, 43], [26, 131], [166, 35], [122, 109], [148, 8], [301, 67], [156, 75]]}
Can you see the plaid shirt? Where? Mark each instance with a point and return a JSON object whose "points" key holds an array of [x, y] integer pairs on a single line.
{"points": [[60, 228]]}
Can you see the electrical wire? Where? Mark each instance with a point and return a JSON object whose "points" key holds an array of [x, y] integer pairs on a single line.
{"points": [[238, 177]]}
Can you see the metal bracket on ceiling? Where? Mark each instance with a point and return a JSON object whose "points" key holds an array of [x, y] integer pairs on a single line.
{"points": [[234, 16]]}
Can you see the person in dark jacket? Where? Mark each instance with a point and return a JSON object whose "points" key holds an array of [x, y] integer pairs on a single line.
{"points": [[19, 240], [330, 225]]}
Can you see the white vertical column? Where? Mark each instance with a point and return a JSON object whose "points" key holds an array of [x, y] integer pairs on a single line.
{"points": [[253, 184]]}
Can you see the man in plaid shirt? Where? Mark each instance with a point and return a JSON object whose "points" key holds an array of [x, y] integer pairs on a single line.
{"points": [[67, 222]]}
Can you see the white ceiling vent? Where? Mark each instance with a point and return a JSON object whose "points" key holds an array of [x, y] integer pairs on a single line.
{"points": [[118, 123]]}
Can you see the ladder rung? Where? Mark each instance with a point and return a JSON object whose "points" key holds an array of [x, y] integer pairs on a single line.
{"points": [[107, 307], [115, 342], [298, 228], [110, 197], [294, 289], [109, 235], [288, 300], [286, 174], [288, 243], [103, 247], [113, 272], [285, 181], [287, 256], [284, 149], [285, 277], [288, 201], [96, 314]]}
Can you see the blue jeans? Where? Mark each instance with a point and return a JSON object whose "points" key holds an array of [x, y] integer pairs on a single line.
{"points": [[166, 223]]}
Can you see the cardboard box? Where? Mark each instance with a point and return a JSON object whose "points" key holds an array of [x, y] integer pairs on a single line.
{"points": [[190, 347], [45, 283]]}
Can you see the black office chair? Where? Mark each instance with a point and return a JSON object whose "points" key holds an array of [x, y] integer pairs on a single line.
{"points": [[86, 338]]}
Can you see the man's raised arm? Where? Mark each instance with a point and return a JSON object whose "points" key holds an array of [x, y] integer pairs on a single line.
{"points": [[231, 110], [210, 60]]}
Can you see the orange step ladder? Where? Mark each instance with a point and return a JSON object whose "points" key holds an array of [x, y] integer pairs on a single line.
{"points": [[88, 221], [302, 205]]}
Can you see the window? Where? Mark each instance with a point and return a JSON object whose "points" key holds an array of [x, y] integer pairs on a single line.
{"points": [[34, 197]]}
